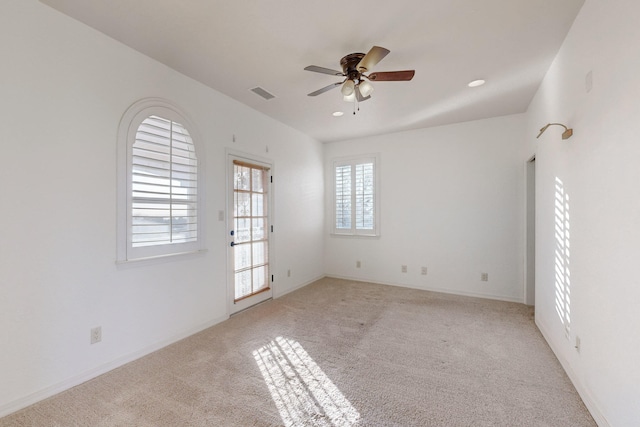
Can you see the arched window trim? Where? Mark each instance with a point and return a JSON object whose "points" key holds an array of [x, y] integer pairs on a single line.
{"points": [[128, 128]]}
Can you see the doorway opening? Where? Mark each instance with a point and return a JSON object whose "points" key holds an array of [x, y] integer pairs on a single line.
{"points": [[530, 236]]}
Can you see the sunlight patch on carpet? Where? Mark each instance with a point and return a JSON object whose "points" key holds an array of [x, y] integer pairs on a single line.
{"points": [[302, 392]]}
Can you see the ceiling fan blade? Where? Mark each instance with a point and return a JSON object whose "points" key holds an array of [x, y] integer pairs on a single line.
{"points": [[374, 56], [324, 89], [392, 76], [359, 96], [323, 70]]}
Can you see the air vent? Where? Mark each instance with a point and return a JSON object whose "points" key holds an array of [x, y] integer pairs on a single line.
{"points": [[263, 93]]}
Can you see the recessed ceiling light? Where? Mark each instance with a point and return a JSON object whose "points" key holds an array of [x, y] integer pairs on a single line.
{"points": [[476, 83], [338, 114]]}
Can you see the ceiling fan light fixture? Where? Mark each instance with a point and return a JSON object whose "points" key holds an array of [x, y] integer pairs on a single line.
{"points": [[350, 98], [365, 88], [348, 88]]}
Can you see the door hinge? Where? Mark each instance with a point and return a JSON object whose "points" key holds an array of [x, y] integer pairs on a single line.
{"points": [[272, 228], [271, 178], [272, 277]]}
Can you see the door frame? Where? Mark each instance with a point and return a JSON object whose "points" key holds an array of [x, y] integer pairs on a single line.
{"points": [[530, 232], [230, 156]]}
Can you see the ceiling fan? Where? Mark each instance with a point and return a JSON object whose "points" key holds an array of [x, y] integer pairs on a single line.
{"points": [[354, 66]]}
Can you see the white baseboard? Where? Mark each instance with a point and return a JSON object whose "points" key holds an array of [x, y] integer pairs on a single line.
{"points": [[23, 402], [584, 392], [295, 288], [431, 289]]}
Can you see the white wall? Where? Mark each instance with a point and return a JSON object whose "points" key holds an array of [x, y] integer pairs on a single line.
{"points": [[63, 90], [451, 201], [599, 171]]}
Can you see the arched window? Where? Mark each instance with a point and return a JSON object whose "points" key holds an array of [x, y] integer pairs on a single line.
{"points": [[160, 187]]}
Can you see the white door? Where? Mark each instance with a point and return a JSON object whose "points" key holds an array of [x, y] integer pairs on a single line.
{"points": [[249, 229]]}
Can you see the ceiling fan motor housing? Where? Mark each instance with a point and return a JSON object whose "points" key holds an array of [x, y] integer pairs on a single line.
{"points": [[349, 65]]}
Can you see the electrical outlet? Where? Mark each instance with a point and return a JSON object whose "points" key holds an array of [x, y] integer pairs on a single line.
{"points": [[484, 277], [358, 264], [423, 271], [96, 335], [404, 268]]}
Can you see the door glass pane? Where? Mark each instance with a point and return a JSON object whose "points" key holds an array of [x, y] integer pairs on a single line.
{"points": [[257, 180], [242, 179], [259, 253], [241, 205], [242, 255], [260, 279], [257, 204], [258, 228], [243, 283], [243, 231]]}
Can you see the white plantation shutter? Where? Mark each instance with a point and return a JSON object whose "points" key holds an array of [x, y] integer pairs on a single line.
{"points": [[355, 196], [164, 187], [364, 196], [343, 197]]}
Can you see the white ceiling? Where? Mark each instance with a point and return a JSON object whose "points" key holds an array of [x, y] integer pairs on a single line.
{"points": [[233, 46]]}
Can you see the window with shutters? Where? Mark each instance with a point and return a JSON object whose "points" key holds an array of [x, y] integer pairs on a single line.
{"points": [[355, 196], [161, 185]]}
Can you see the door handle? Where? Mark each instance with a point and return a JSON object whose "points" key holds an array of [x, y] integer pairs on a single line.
{"points": [[232, 244]]}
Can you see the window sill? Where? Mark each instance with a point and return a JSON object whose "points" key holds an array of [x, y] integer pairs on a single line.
{"points": [[363, 236], [158, 259]]}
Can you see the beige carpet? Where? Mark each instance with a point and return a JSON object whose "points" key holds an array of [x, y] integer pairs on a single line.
{"points": [[338, 353]]}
